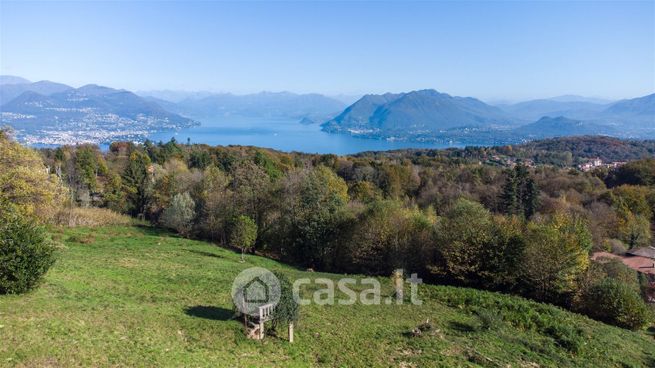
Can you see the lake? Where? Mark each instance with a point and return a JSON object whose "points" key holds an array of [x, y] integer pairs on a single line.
{"points": [[283, 135]]}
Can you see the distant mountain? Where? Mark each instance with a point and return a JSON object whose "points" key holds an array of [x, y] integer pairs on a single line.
{"points": [[558, 106], [637, 107], [166, 104], [415, 114], [549, 127], [90, 113], [174, 96], [12, 90], [307, 121], [346, 99], [262, 105], [11, 79], [576, 98], [634, 115]]}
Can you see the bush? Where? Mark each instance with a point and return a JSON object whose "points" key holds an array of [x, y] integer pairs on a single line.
{"points": [[287, 309], [25, 251], [616, 303], [489, 320], [615, 246]]}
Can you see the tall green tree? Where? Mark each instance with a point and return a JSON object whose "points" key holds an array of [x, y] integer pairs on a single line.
{"points": [[520, 195], [136, 182], [509, 196], [530, 198]]}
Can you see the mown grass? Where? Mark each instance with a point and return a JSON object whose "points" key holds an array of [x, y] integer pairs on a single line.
{"points": [[137, 296]]}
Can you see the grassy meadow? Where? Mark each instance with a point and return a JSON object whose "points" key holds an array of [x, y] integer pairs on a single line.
{"points": [[137, 296]]}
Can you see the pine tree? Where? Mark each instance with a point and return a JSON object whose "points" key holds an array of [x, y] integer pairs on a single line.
{"points": [[530, 199], [520, 193], [509, 196], [135, 182]]}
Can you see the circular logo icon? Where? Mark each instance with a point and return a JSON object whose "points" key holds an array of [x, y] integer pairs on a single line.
{"points": [[254, 288]]}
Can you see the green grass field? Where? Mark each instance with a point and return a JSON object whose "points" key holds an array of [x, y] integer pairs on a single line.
{"points": [[137, 296]]}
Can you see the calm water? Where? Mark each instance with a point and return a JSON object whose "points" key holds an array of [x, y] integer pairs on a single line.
{"points": [[283, 135]]}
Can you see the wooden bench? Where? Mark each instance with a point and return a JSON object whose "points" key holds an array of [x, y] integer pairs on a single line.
{"points": [[255, 327]]}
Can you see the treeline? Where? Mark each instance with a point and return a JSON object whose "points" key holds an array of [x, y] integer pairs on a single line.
{"points": [[559, 152], [521, 230]]}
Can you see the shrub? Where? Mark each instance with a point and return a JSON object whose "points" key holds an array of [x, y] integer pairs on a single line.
{"points": [[25, 252], [616, 246], [616, 303], [489, 320], [287, 309]]}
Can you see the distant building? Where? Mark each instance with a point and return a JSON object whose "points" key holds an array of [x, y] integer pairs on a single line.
{"points": [[647, 252], [528, 162], [615, 164], [590, 165]]}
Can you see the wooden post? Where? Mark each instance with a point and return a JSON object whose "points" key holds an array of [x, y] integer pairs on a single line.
{"points": [[261, 330], [291, 332], [398, 285]]}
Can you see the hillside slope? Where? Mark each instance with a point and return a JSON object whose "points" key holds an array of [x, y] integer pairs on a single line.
{"points": [[548, 127], [136, 296]]}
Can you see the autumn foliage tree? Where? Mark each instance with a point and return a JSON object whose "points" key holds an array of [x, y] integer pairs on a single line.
{"points": [[556, 254], [27, 183]]}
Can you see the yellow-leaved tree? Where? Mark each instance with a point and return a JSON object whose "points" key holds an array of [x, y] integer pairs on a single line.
{"points": [[27, 183]]}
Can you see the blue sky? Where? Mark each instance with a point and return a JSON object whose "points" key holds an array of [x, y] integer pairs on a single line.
{"points": [[491, 50]]}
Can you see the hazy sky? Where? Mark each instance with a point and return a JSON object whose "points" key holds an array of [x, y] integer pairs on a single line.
{"points": [[491, 50]]}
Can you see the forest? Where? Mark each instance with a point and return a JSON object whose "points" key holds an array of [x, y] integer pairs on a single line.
{"points": [[525, 226]]}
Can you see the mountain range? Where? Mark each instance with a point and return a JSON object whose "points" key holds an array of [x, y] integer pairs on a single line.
{"points": [[428, 115], [9, 91], [49, 112], [265, 105], [530, 111], [53, 113]]}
